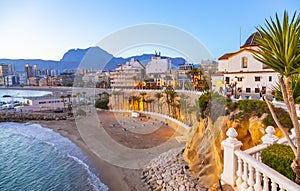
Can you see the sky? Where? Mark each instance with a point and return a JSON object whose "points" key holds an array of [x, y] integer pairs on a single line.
{"points": [[46, 29]]}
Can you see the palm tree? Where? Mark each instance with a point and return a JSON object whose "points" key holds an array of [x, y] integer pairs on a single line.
{"points": [[158, 96], [69, 97], [63, 100], [69, 104], [150, 101], [143, 99], [279, 48], [170, 100]]}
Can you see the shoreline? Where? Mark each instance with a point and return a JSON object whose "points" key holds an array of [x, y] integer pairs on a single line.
{"points": [[115, 178]]}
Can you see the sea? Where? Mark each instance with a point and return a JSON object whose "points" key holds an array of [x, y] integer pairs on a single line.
{"points": [[35, 158]]}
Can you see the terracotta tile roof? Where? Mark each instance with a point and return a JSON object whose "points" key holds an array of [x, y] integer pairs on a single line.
{"points": [[226, 56]]}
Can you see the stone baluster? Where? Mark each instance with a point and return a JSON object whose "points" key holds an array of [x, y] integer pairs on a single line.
{"points": [[269, 138], [266, 183], [281, 188], [230, 145], [273, 185], [245, 176], [239, 172], [257, 186], [251, 181]]}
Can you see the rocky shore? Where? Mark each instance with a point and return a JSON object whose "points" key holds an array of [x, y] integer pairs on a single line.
{"points": [[169, 172], [10, 116]]}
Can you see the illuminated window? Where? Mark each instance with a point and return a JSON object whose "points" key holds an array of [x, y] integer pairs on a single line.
{"points": [[244, 62]]}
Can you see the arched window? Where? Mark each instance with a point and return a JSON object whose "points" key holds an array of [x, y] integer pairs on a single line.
{"points": [[244, 62]]}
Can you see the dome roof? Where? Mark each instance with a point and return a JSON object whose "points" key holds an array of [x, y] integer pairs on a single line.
{"points": [[251, 41]]}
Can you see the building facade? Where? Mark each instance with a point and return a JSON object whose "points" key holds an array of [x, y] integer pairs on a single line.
{"points": [[37, 104], [243, 74], [127, 75], [12, 80], [5, 69]]}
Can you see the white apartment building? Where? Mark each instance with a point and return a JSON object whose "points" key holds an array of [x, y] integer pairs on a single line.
{"points": [[128, 74], [243, 74], [159, 69], [158, 65]]}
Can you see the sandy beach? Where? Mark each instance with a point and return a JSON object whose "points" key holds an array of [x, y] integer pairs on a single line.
{"points": [[115, 177]]}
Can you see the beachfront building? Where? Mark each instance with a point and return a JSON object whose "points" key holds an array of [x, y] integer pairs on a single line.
{"points": [[243, 74], [127, 75], [36, 104]]}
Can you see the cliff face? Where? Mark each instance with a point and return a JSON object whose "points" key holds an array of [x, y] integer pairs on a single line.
{"points": [[204, 152]]}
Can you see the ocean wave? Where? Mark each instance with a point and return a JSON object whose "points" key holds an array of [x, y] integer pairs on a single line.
{"points": [[93, 179]]}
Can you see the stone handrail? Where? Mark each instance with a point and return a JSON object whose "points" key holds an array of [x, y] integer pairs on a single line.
{"points": [[244, 169]]}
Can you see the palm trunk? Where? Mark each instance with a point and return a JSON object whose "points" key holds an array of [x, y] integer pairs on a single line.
{"points": [[280, 126], [294, 118]]}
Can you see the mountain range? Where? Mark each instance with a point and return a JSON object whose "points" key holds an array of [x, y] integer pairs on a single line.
{"points": [[90, 58]]}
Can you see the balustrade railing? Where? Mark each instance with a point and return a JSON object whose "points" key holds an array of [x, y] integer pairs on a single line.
{"points": [[247, 172]]}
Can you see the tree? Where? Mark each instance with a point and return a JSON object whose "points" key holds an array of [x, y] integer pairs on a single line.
{"points": [[279, 48], [171, 96], [143, 94], [63, 100], [158, 96], [69, 104]]}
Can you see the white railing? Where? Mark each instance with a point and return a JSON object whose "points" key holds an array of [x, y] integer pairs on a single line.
{"points": [[158, 115], [244, 169], [282, 105], [153, 90]]}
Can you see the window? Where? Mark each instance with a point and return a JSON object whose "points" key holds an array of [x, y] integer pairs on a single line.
{"points": [[257, 79], [227, 79], [270, 78], [248, 90], [239, 79], [244, 62], [256, 90]]}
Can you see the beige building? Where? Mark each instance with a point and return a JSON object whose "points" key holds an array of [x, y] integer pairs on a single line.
{"points": [[127, 75]]}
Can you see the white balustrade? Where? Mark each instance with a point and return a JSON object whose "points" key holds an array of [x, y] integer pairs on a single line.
{"points": [[269, 138], [250, 174], [230, 145]]}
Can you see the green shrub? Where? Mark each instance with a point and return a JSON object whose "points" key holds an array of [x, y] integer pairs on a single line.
{"points": [[283, 117], [102, 103], [280, 158]]}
